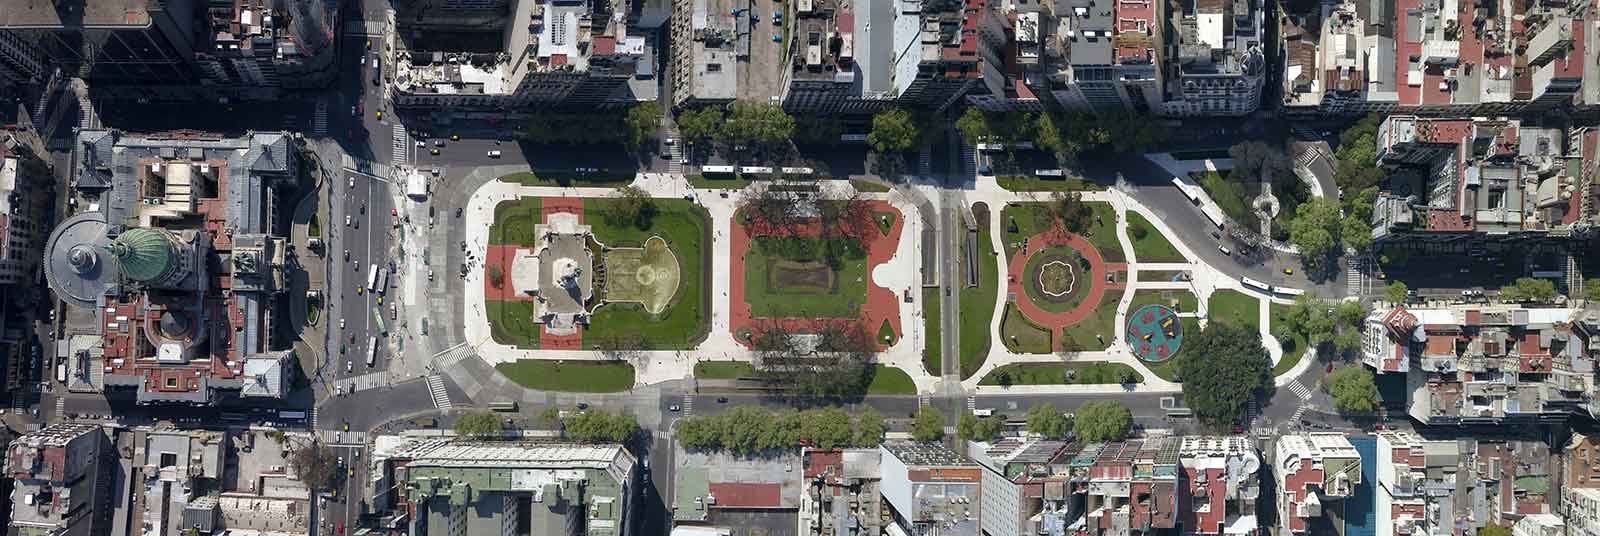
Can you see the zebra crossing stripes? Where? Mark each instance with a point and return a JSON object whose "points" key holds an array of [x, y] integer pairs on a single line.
{"points": [[1353, 278], [450, 356], [688, 405], [1300, 390], [397, 148], [311, 417], [675, 162], [441, 398], [972, 402], [319, 120], [61, 407], [1294, 420], [922, 400]]}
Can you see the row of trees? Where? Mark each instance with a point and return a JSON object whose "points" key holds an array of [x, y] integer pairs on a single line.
{"points": [[1067, 134], [1101, 420], [631, 127], [1325, 323], [746, 430], [742, 123], [1523, 290]]}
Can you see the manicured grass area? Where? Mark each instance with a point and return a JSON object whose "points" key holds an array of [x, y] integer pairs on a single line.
{"points": [[1022, 336], [1080, 337], [868, 186], [1030, 183], [781, 280], [1294, 349], [887, 380], [1061, 268], [1232, 197], [723, 370], [686, 320], [977, 303], [706, 183], [885, 221], [514, 221], [1056, 374], [931, 327], [1158, 275], [1153, 246], [511, 322], [886, 335], [572, 376], [314, 226], [1101, 232], [568, 178], [1234, 307], [1187, 302]]}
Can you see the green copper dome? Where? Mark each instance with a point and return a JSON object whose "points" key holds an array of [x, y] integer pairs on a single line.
{"points": [[145, 255]]}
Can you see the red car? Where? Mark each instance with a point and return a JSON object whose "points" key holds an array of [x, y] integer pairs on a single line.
{"points": [[339, 529], [393, 213], [1238, 428]]}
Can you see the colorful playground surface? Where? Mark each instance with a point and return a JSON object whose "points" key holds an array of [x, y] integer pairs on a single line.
{"points": [[1154, 333]]}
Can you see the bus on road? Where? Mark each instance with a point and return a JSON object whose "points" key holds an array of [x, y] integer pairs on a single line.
{"points": [[372, 279], [372, 352], [383, 283]]}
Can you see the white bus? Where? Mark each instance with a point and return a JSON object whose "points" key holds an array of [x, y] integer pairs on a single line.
{"points": [[372, 352], [717, 172], [800, 171], [1256, 284], [755, 170], [372, 279], [1286, 291], [383, 283]]}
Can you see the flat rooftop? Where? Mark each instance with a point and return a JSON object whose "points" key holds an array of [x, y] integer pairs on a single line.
{"points": [[88, 14]]}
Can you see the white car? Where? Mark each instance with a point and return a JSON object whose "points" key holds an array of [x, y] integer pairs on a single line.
{"points": [[348, 367], [352, 182], [494, 154], [421, 143], [346, 220], [341, 323]]}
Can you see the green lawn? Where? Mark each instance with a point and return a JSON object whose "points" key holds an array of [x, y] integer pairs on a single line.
{"points": [[768, 299], [684, 323], [1236, 307], [1158, 275], [1154, 247], [723, 370], [977, 303], [868, 186], [1080, 337], [885, 221], [568, 178], [1295, 347], [1232, 197], [1030, 183], [931, 328], [731, 183], [1021, 335], [314, 226], [1187, 302], [514, 221], [886, 335], [1056, 374], [1102, 231], [511, 322], [888, 380], [1079, 279], [573, 376]]}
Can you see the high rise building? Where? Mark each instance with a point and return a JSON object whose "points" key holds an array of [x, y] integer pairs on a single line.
{"points": [[62, 481], [1311, 470]]}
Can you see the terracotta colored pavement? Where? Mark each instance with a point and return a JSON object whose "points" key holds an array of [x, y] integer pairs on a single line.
{"points": [[560, 342], [1097, 279], [552, 205], [502, 256], [881, 303]]}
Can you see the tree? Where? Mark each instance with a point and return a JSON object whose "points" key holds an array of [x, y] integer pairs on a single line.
{"points": [[1044, 420], [629, 205], [1529, 289], [893, 130], [1349, 314], [316, 465], [755, 123], [551, 416], [600, 426], [1355, 232], [1357, 168], [838, 362], [1254, 160], [774, 206], [971, 427], [497, 275], [1068, 210], [869, 428], [817, 130], [1310, 315], [478, 424], [1494, 530], [641, 121], [1223, 367], [1102, 420], [1591, 291], [700, 124], [1353, 389], [1314, 229], [973, 126], [928, 425], [1396, 293]]}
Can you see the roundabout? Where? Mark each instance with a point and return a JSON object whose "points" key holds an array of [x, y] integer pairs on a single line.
{"points": [[1154, 333]]}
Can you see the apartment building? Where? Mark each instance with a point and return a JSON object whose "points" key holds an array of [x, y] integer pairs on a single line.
{"points": [[1221, 483], [1482, 180], [1218, 65], [1127, 487], [570, 55], [1436, 57], [1487, 364], [930, 489], [1312, 470], [175, 49], [234, 481], [62, 481], [1105, 57], [842, 494], [1580, 507], [1014, 474], [25, 195]]}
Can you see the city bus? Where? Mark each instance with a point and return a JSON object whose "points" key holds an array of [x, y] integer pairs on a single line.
{"points": [[503, 406], [372, 352], [1256, 284], [383, 286], [717, 172], [372, 278]]}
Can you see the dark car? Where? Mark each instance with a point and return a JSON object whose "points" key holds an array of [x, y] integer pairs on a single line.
{"points": [[722, 400]]}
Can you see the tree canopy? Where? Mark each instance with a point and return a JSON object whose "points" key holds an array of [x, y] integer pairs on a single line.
{"points": [[478, 424], [1068, 210], [838, 363], [599, 426], [700, 123], [1102, 420], [316, 465], [746, 430], [630, 206], [1529, 289], [928, 425], [1494, 530], [974, 428], [1045, 420], [893, 130], [1223, 367], [1353, 389], [1357, 154], [641, 121], [1315, 229], [756, 123], [1395, 292]]}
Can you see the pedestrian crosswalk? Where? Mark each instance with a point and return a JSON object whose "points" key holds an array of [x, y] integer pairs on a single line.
{"points": [[688, 405], [450, 356], [922, 400], [1353, 277], [675, 163], [397, 150], [319, 121], [441, 398], [1250, 412], [972, 403], [1300, 390], [61, 407], [1294, 420], [311, 417]]}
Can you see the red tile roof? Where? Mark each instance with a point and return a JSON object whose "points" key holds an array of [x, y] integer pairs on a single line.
{"points": [[747, 495]]}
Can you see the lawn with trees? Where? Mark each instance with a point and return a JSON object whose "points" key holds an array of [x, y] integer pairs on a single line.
{"points": [[1328, 326], [478, 424], [622, 221], [1181, 301], [1224, 366], [1353, 389], [978, 303], [1293, 340], [1234, 307], [1149, 245], [514, 221], [805, 276], [569, 376], [971, 427], [931, 328], [1073, 373], [1021, 335]]}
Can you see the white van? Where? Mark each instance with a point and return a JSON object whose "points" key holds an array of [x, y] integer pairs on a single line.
{"points": [[1225, 250], [494, 154], [983, 412]]}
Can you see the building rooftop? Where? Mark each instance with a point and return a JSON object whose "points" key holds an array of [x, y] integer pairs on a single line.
{"points": [[42, 14], [912, 453]]}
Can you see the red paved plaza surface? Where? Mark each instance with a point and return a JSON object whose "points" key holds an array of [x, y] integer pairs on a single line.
{"points": [[881, 303], [1098, 267], [503, 255]]}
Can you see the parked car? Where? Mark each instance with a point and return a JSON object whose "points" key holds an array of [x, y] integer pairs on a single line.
{"points": [[494, 154]]}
